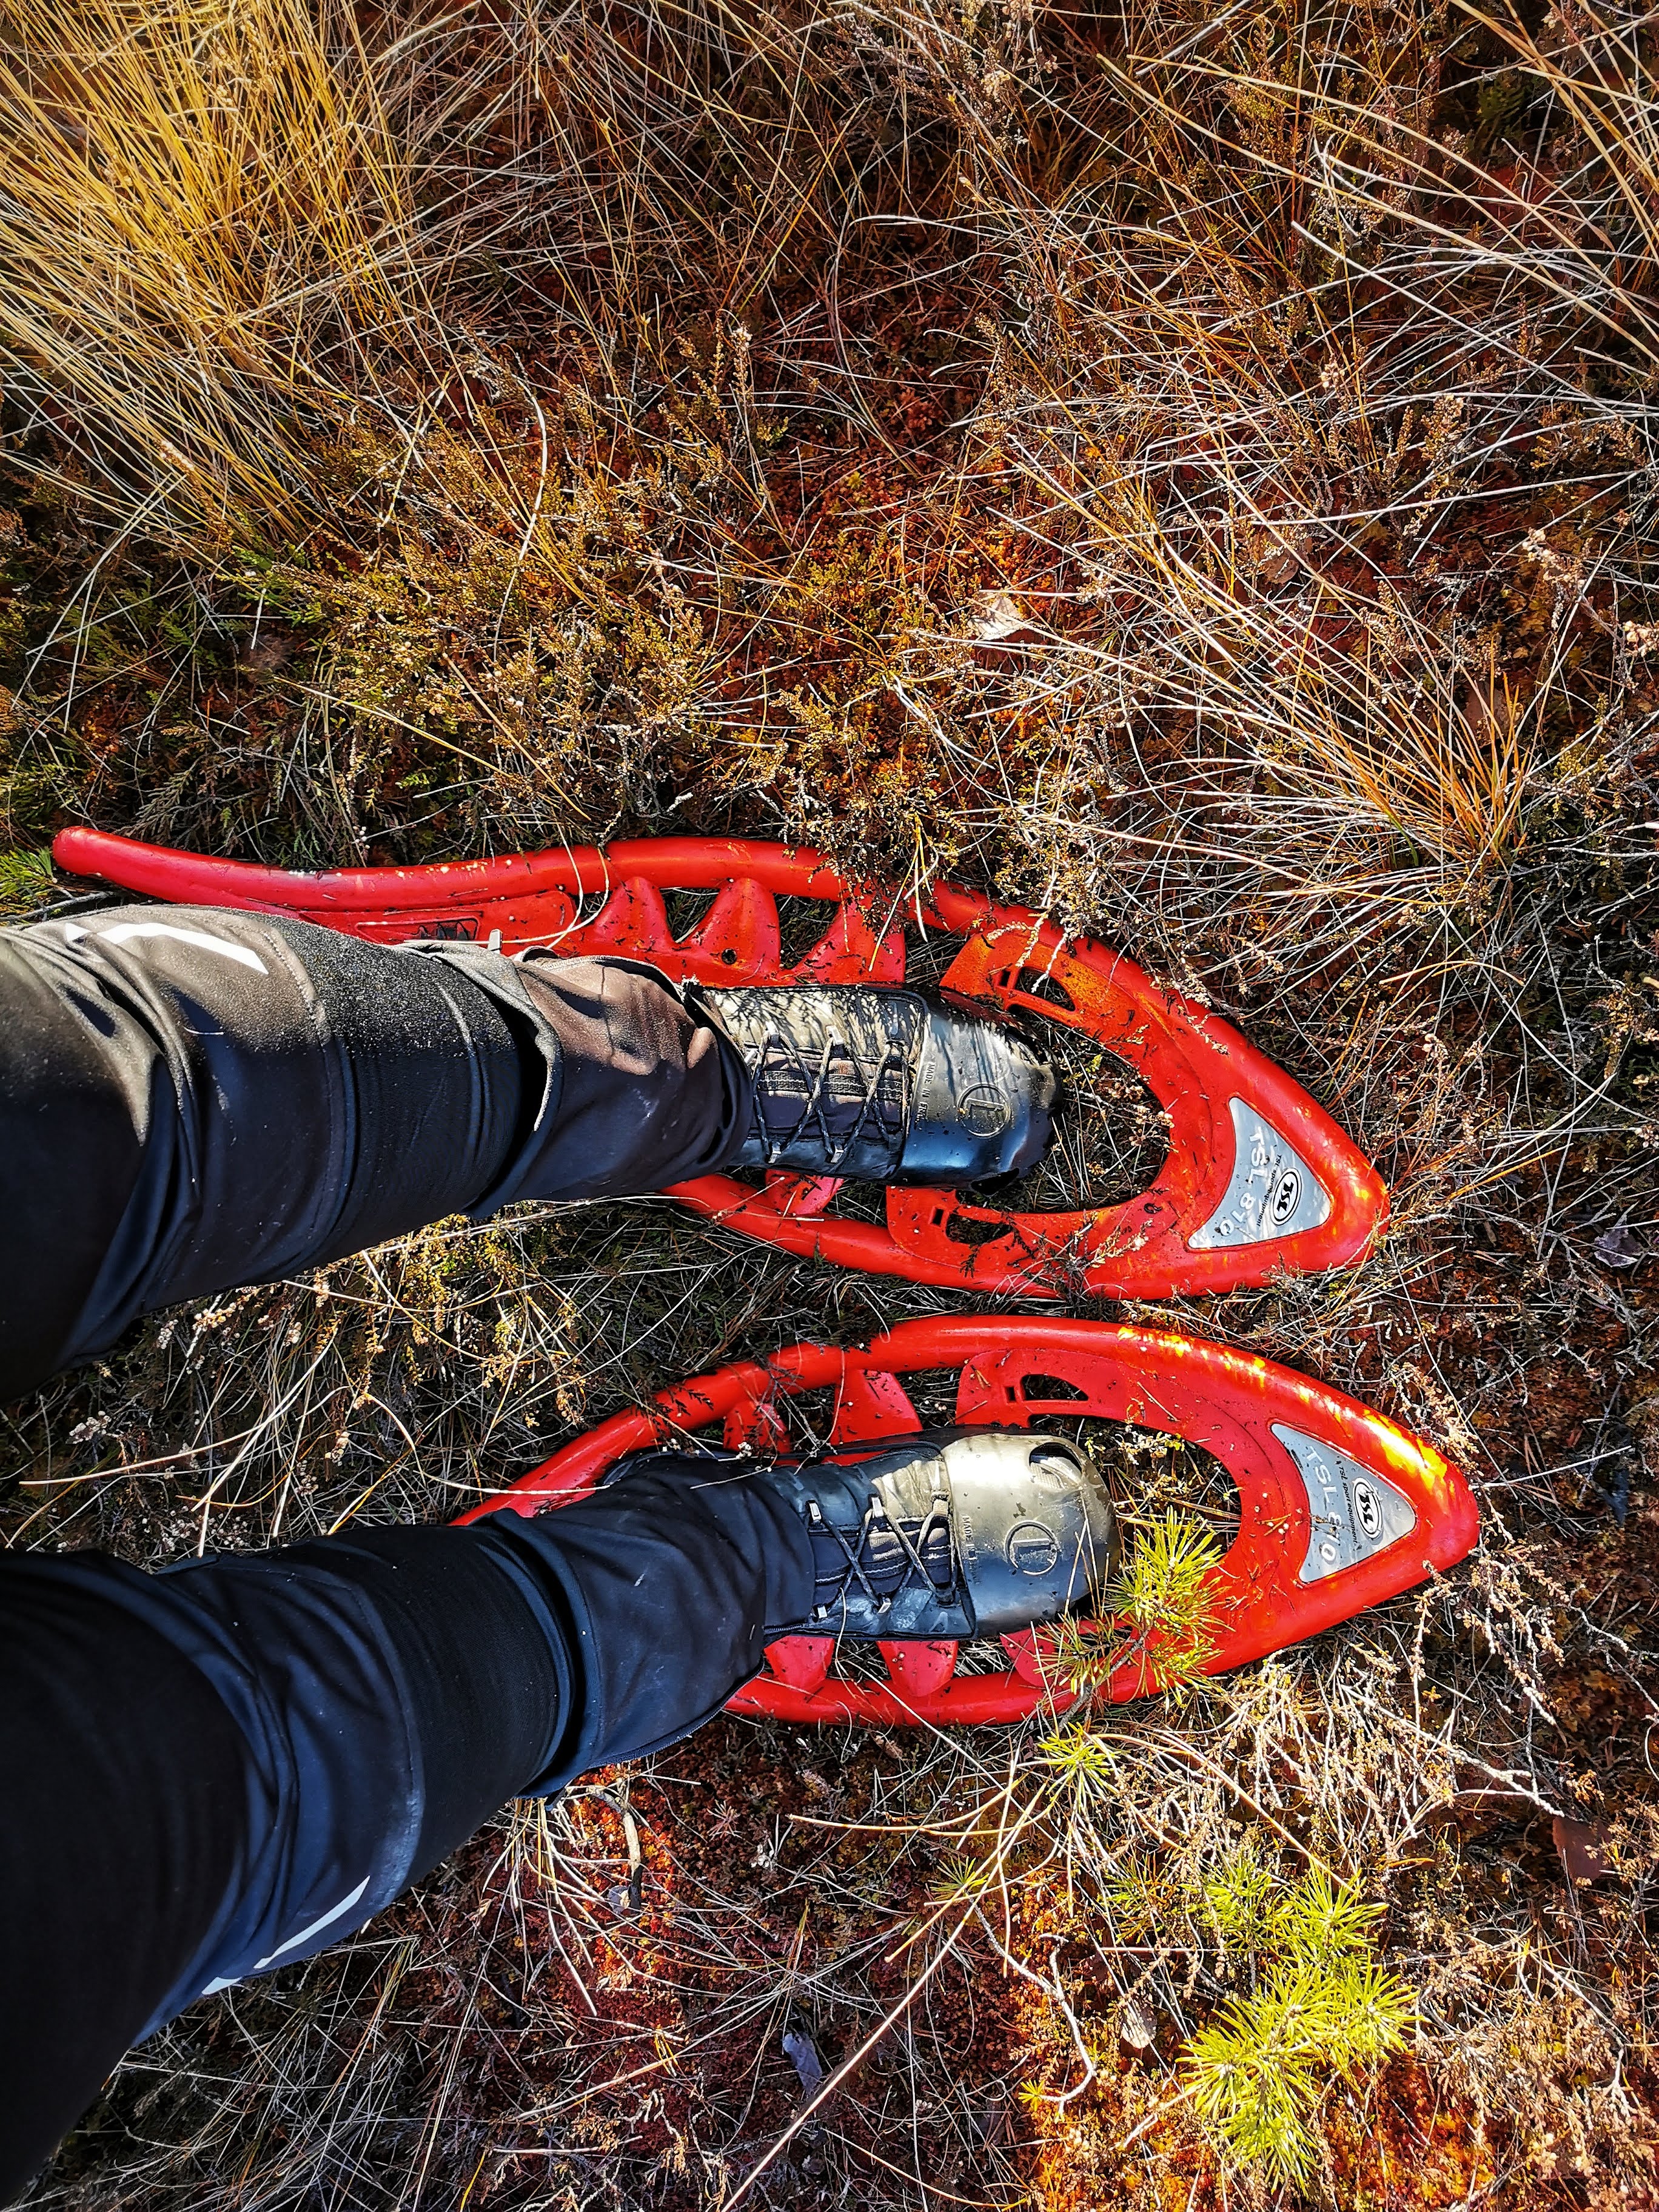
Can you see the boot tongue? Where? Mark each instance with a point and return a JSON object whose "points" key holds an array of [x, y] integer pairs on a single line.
{"points": [[832, 1069], [885, 1523]]}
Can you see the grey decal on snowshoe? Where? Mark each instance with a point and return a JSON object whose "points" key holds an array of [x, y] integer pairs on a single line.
{"points": [[1354, 1511], [1273, 1192]]}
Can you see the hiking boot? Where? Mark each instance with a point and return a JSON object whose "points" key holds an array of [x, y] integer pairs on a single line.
{"points": [[878, 1086], [954, 1533]]}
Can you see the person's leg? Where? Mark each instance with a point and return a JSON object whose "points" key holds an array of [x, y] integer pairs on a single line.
{"points": [[219, 1770], [192, 1099], [223, 1768]]}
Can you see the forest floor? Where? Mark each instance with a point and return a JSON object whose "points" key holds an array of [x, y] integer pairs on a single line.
{"points": [[1192, 470]]}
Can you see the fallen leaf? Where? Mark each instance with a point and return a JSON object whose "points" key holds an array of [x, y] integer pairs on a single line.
{"points": [[802, 2053], [1620, 1247], [1001, 626], [1583, 1846]]}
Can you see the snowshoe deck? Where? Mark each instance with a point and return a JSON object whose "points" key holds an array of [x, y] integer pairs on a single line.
{"points": [[1337, 1508], [1258, 1180]]}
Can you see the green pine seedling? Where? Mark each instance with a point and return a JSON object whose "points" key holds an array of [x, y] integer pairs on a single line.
{"points": [[1079, 1757], [26, 881], [1143, 1897], [1236, 1901], [1162, 1611], [1165, 1602], [1326, 2003], [1316, 1921]]}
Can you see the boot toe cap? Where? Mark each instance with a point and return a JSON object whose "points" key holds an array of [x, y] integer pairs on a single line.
{"points": [[1038, 1535], [982, 1105]]}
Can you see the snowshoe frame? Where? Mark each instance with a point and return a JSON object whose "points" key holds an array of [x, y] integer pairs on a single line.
{"points": [[1339, 1508], [1259, 1181]]}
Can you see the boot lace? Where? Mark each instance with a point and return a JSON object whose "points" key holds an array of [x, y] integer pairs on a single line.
{"points": [[883, 1558], [828, 1088]]}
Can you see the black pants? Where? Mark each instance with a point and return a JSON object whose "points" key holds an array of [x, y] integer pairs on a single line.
{"points": [[191, 1099], [221, 1769]]}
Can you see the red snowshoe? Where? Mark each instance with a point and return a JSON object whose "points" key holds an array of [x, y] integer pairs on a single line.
{"points": [[1337, 1508], [1258, 1180]]}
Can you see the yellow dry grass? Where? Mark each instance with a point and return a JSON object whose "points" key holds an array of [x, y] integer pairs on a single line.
{"points": [[207, 217]]}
